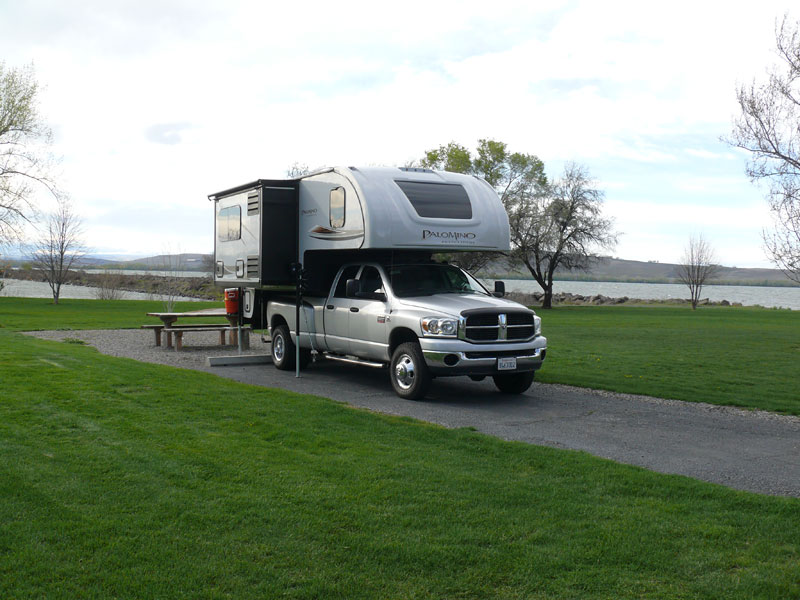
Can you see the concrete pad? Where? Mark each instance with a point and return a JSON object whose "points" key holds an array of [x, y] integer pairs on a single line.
{"points": [[238, 359]]}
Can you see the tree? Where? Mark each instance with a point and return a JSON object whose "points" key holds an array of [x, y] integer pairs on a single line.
{"points": [[561, 228], [769, 128], [297, 169], [513, 175], [24, 163], [697, 267], [557, 225], [59, 246]]}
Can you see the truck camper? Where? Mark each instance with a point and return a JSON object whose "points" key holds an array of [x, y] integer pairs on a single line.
{"points": [[347, 253]]}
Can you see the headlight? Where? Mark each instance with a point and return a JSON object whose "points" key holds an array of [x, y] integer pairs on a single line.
{"points": [[537, 325], [439, 326]]}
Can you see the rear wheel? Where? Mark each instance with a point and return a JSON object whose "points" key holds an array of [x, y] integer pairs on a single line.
{"points": [[409, 372], [284, 352], [513, 383]]}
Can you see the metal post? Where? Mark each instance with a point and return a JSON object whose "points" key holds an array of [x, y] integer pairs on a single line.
{"points": [[239, 319], [297, 334]]}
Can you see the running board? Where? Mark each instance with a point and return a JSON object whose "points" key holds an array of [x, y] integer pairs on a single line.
{"points": [[355, 361]]}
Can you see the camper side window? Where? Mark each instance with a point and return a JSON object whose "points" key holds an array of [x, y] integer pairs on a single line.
{"points": [[337, 207], [229, 224]]}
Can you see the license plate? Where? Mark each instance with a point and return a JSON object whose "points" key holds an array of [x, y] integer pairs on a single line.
{"points": [[506, 364]]}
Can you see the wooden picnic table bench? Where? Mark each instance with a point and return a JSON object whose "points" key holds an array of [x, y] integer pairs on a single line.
{"points": [[168, 327], [222, 329]]}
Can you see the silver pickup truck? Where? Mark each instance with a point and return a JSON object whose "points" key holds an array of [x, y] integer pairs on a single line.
{"points": [[422, 320]]}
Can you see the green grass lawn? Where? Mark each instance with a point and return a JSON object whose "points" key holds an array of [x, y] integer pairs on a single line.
{"points": [[131, 480], [747, 357], [29, 314]]}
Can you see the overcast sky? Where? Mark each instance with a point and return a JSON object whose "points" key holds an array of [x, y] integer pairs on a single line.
{"points": [[155, 105]]}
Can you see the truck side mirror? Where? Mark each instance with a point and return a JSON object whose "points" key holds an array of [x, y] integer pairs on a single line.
{"points": [[499, 289], [352, 288]]}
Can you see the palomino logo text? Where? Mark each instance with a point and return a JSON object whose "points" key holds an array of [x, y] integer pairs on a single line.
{"points": [[447, 235]]}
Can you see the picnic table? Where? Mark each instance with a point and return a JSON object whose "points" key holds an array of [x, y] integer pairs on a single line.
{"points": [[169, 327]]}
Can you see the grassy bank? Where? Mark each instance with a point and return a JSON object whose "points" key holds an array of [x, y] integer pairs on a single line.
{"points": [[744, 357], [28, 314], [124, 479], [735, 356]]}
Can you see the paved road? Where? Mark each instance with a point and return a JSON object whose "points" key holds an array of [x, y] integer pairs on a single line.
{"points": [[747, 450]]}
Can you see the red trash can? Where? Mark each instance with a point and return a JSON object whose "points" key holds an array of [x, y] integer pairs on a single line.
{"points": [[232, 301]]}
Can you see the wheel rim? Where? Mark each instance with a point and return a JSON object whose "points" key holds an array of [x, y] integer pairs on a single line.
{"points": [[278, 348], [404, 372]]}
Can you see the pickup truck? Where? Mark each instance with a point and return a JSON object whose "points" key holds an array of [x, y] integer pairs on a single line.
{"points": [[422, 320]]}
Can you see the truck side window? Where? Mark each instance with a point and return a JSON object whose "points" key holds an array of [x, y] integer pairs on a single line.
{"points": [[349, 273], [371, 282], [229, 224], [337, 207]]}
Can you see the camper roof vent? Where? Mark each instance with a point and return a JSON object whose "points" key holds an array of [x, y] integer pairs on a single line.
{"points": [[415, 170]]}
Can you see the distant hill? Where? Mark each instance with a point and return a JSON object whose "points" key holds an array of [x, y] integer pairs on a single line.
{"points": [[185, 262], [617, 269]]}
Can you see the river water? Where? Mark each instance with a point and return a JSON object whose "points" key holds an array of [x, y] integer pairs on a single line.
{"points": [[39, 289], [771, 297]]}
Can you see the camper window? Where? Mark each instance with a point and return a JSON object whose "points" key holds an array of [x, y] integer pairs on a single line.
{"points": [[437, 200], [337, 207], [229, 224]]}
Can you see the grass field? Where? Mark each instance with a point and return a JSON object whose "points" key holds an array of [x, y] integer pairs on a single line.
{"points": [[131, 480], [747, 357], [735, 356], [28, 314]]}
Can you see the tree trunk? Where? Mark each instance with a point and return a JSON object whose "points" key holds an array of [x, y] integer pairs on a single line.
{"points": [[547, 300]]}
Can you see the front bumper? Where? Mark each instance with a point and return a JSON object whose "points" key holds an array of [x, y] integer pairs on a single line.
{"points": [[456, 357]]}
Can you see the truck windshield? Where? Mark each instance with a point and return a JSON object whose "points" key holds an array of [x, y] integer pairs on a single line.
{"points": [[425, 280]]}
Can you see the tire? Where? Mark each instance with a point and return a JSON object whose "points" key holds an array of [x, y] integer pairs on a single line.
{"points": [[513, 383], [284, 351], [409, 372]]}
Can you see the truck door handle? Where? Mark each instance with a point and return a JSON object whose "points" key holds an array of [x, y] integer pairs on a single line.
{"points": [[329, 307], [353, 309]]}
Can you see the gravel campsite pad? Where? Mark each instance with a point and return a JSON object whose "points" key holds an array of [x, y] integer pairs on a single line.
{"points": [[750, 450]]}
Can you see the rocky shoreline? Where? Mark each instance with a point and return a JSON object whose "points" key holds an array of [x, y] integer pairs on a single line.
{"points": [[191, 287], [569, 299]]}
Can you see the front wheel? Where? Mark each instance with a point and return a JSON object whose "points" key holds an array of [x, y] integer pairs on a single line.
{"points": [[513, 383], [409, 372]]}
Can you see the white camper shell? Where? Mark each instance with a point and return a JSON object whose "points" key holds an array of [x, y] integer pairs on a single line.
{"points": [[263, 227]]}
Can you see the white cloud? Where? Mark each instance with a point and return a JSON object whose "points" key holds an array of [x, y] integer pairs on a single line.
{"points": [[158, 104]]}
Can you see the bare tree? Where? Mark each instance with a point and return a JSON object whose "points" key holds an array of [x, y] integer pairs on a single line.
{"points": [[561, 226], [109, 286], [59, 246], [769, 128], [3, 268], [697, 267], [24, 162], [297, 169], [171, 283]]}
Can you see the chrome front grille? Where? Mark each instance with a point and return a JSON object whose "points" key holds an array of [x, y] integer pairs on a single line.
{"points": [[495, 326]]}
